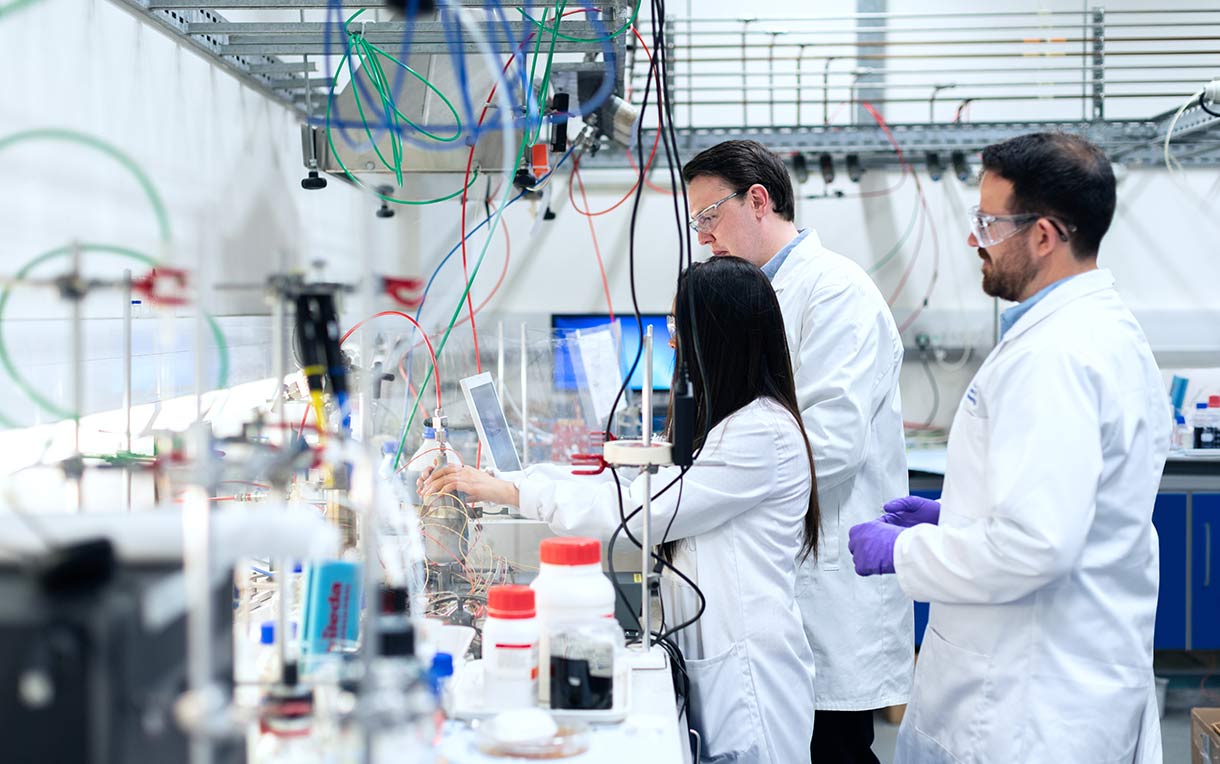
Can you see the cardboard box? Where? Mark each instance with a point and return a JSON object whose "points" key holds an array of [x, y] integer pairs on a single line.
{"points": [[1205, 736]]}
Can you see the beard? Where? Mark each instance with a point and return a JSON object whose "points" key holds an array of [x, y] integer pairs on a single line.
{"points": [[1007, 278]]}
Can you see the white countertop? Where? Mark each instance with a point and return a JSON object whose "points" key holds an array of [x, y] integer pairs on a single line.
{"points": [[651, 734]]}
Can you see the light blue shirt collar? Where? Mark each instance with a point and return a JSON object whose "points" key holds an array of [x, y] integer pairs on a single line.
{"points": [[1010, 317], [773, 265]]}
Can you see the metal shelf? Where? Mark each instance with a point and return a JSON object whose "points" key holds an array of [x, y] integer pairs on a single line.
{"points": [[277, 58], [780, 82]]}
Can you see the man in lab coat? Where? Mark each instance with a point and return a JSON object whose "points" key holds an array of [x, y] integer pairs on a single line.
{"points": [[1040, 560], [846, 354]]}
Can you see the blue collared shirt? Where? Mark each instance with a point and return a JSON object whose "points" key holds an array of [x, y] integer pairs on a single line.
{"points": [[1011, 316], [773, 265]]}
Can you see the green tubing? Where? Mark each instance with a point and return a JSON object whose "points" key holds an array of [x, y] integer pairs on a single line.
{"points": [[369, 57], [555, 29], [72, 136], [15, 5], [546, 72], [330, 140], [7, 361]]}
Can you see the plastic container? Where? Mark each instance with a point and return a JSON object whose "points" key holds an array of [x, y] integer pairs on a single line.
{"points": [[571, 591], [1181, 434], [510, 649], [1206, 424], [581, 658], [570, 584]]}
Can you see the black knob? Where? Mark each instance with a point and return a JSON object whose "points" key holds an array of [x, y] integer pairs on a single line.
{"points": [[313, 182]]}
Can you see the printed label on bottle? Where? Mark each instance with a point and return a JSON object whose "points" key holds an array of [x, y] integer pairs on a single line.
{"points": [[514, 659]]}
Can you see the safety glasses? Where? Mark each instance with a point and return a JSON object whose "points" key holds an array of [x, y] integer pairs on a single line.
{"points": [[990, 230], [705, 220]]}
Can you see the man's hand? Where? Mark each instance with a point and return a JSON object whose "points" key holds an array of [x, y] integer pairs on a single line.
{"points": [[872, 547], [910, 511]]}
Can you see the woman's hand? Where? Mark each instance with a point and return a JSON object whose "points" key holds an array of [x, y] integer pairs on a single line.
{"points": [[476, 484]]}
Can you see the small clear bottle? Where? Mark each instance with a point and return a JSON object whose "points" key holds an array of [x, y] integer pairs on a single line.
{"points": [[1205, 425], [1181, 434]]}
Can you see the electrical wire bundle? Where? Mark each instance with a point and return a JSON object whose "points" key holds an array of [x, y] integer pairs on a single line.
{"points": [[371, 85]]}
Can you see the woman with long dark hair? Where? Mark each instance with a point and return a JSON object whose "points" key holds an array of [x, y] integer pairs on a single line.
{"points": [[740, 520]]}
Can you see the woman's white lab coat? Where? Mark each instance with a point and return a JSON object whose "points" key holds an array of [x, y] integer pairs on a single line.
{"points": [[1043, 571], [846, 354], [740, 528]]}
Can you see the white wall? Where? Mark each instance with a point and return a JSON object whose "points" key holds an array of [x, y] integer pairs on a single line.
{"points": [[225, 160]]}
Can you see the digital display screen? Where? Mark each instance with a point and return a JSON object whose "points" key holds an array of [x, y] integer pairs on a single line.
{"points": [[662, 353], [495, 427]]}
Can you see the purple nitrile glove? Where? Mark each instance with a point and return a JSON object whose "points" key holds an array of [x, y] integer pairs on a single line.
{"points": [[872, 547], [910, 511]]}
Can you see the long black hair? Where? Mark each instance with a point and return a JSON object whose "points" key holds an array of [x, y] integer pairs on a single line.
{"points": [[727, 309]]}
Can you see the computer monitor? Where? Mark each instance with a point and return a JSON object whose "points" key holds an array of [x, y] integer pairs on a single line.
{"points": [[489, 421], [662, 353]]}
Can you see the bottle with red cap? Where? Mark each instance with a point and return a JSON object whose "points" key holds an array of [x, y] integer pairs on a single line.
{"points": [[1207, 423], [579, 636], [510, 649]]}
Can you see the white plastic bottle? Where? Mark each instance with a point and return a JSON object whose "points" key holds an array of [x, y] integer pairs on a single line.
{"points": [[510, 649], [570, 588]]}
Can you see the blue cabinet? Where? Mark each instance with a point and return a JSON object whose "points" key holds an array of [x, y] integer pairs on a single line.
{"points": [[1204, 578], [1180, 572], [1169, 517]]}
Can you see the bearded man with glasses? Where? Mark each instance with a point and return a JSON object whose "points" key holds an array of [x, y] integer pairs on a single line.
{"points": [[1040, 561]]}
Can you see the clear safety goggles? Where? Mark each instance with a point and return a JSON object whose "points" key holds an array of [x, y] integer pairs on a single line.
{"points": [[705, 220], [990, 230]]}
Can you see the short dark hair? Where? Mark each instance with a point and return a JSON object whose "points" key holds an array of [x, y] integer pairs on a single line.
{"points": [[741, 164], [1061, 176]]}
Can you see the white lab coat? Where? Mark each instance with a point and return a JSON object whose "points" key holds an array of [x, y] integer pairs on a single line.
{"points": [[1043, 571], [740, 526], [846, 354]]}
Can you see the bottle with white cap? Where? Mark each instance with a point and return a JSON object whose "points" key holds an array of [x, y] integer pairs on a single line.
{"points": [[575, 606]]}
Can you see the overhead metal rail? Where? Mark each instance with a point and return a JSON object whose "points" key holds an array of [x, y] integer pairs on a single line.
{"points": [[795, 84]]}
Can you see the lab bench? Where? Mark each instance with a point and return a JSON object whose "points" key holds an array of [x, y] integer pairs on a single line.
{"points": [[652, 733], [1187, 520]]}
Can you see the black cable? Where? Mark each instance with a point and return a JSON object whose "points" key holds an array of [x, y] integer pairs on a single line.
{"points": [[623, 520], [1203, 105], [659, 558], [923, 360]]}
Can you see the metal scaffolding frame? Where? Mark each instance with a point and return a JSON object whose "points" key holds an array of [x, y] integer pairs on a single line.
{"points": [[1089, 57], [277, 58]]}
